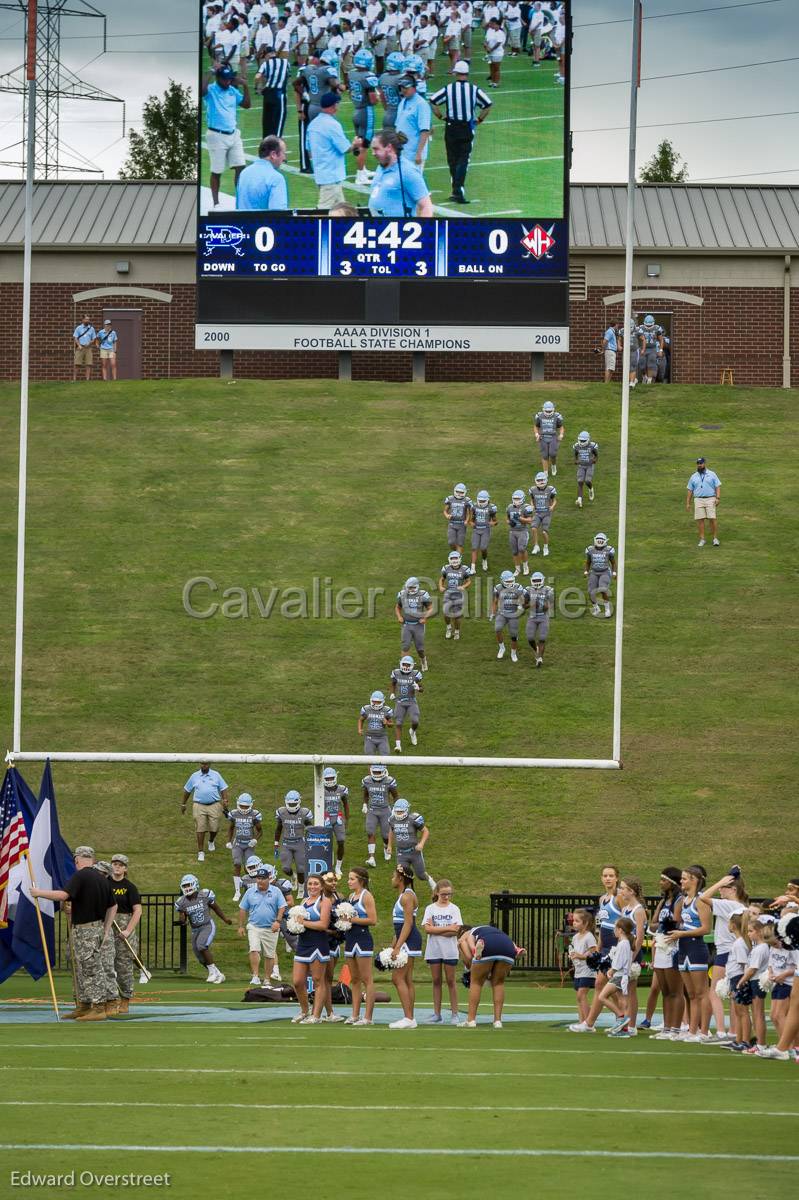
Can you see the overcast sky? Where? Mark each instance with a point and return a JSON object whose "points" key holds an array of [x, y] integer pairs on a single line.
{"points": [[151, 41]]}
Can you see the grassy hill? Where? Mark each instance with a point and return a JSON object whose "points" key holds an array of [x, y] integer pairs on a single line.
{"points": [[136, 488]]}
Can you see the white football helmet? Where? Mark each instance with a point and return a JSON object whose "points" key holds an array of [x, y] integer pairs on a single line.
{"points": [[189, 885], [549, 408], [406, 664], [378, 772], [507, 578], [454, 558], [377, 699], [244, 801], [293, 800], [483, 499], [541, 479], [330, 777], [518, 498], [401, 809], [253, 865], [584, 437], [412, 585], [537, 580], [459, 490], [600, 540]]}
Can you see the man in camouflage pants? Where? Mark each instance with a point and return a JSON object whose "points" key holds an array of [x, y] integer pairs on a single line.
{"points": [[128, 901], [92, 913]]}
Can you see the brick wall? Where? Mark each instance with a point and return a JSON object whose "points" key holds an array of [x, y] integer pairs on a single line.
{"points": [[706, 339]]}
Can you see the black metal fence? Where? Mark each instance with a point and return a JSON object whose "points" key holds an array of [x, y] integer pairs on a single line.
{"points": [[538, 922], [163, 941]]}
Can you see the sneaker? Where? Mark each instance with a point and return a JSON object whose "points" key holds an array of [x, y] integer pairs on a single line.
{"points": [[536, 550], [298, 1018], [546, 551], [664, 1035], [716, 542], [456, 637], [501, 650], [350, 1021], [701, 542], [607, 610], [234, 899], [423, 664], [311, 1020], [620, 1033], [336, 1019], [338, 873], [218, 978], [468, 1025], [413, 736], [645, 1024], [620, 1023], [255, 981], [497, 1025], [448, 633], [774, 1052], [370, 861], [514, 656], [363, 1021], [525, 568], [398, 747], [386, 856], [595, 610], [454, 1018], [707, 1039], [737, 1047], [581, 1027], [472, 569], [435, 1019], [276, 974], [485, 564], [403, 1023], [579, 502], [590, 493], [201, 857], [633, 1032], [212, 847], [554, 469], [517, 571], [539, 662], [696, 1038]]}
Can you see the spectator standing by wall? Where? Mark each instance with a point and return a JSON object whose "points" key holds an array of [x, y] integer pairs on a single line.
{"points": [[84, 336], [107, 340], [610, 346]]}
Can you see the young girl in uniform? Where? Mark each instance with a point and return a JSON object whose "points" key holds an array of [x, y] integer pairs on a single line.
{"points": [[631, 896], [312, 953], [664, 959], [615, 992], [761, 938], [406, 934], [607, 915], [441, 922], [737, 958], [694, 917], [359, 946], [583, 943], [782, 965], [731, 899]]}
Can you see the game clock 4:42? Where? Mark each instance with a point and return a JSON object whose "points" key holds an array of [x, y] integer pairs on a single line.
{"points": [[389, 248]]}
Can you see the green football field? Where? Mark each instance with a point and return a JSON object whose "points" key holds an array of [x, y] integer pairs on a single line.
{"points": [[516, 167], [136, 489]]}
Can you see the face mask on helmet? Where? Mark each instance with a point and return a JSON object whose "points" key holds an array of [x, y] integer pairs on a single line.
{"points": [[537, 579], [189, 885], [412, 585], [600, 540], [549, 408], [459, 490], [649, 321], [507, 577], [406, 664], [483, 498], [541, 479], [293, 801], [584, 438], [518, 499], [454, 559], [253, 865], [244, 801], [378, 772], [330, 777], [401, 809]]}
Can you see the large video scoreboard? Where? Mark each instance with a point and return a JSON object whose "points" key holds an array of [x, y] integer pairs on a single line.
{"points": [[485, 268]]}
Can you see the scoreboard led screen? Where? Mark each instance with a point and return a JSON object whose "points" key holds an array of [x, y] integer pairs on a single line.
{"points": [[383, 176]]}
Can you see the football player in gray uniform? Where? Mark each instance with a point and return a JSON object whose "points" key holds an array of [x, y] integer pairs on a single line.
{"points": [[194, 906], [457, 508], [378, 788], [507, 605], [586, 454], [244, 832], [337, 812], [291, 819], [482, 519], [373, 721], [406, 684], [519, 517], [600, 568], [544, 500], [453, 581], [408, 834], [651, 335], [549, 430], [412, 609], [539, 600]]}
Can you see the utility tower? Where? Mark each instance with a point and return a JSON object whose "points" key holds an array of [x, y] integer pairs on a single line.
{"points": [[56, 82]]}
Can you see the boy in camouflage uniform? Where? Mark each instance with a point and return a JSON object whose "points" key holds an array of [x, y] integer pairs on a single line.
{"points": [[129, 910]]}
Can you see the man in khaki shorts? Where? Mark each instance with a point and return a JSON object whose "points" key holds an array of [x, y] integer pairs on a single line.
{"points": [[84, 337], [705, 487], [209, 806], [222, 101]]}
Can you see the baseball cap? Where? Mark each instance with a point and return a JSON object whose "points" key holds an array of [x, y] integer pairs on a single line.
{"points": [[329, 99], [83, 852], [103, 867], [461, 68], [107, 321], [225, 73], [120, 858], [406, 81], [699, 460]]}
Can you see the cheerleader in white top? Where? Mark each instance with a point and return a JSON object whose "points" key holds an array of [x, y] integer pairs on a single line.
{"points": [[582, 944], [694, 919], [359, 947], [726, 897], [782, 964], [615, 992]]}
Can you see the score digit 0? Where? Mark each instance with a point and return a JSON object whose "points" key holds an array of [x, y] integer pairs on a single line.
{"points": [[498, 241], [265, 239]]}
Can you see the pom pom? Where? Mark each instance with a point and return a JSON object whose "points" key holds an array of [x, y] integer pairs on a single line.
{"points": [[293, 919], [466, 978], [662, 944], [667, 924], [723, 989], [635, 970], [788, 929], [392, 960], [765, 982], [743, 994], [342, 914], [593, 960]]}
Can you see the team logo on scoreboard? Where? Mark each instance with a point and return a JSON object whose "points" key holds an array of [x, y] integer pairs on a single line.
{"points": [[224, 237], [538, 241]]}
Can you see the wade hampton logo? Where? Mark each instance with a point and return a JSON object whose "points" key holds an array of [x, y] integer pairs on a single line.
{"points": [[538, 242], [223, 237]]}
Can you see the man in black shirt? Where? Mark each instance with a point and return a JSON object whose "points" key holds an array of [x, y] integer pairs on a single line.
{"points": [[92, 913], [128, 901]]}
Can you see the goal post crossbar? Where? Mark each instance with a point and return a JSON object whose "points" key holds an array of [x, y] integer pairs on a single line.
{"points": [[313, 760]]}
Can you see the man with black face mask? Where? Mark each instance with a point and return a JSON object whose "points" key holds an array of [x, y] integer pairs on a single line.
{"points": [[209, 806], [705, 486]]}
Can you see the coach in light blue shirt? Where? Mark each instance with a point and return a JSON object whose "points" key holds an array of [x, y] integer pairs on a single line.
{"points": [[210, 805], [415, 120], [261, 186], [329, 147], [705, 487], [262, 906], [398, 188]]}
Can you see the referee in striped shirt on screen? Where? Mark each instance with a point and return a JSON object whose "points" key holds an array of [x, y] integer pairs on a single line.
{"points": [[466, 107], [271, 81]]}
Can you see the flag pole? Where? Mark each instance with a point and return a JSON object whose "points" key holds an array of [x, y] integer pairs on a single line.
{"points": [[30, 73], [35, 900], [136, 958], [621, 543]]}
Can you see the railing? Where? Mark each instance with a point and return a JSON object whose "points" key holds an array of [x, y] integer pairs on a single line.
{"points": [[163, 941]]}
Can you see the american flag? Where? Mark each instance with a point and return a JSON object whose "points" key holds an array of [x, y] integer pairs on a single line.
{"points": [[13, 841]]}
